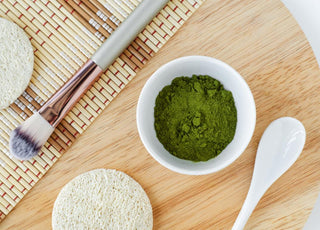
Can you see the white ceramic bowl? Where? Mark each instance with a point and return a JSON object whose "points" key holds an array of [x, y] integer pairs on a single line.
{"points": [[187, 66]]}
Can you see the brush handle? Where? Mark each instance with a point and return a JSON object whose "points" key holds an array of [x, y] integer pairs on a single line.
{"points": [[127, 32], [63, 100]]}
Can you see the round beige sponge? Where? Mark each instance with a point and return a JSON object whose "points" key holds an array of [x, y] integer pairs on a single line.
{"points": [[102, 199], [16, 62]]}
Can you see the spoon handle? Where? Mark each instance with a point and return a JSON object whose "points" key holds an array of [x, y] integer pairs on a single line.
{"points": [[249, 204]]}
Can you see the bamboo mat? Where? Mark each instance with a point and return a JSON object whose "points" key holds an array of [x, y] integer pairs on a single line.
{"points": [[62, 43]]}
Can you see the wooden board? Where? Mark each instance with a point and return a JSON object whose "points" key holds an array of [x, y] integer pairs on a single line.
{"points": [[263, 42]]}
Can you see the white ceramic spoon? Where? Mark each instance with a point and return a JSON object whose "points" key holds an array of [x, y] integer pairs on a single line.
{"points": [[279, 147]]}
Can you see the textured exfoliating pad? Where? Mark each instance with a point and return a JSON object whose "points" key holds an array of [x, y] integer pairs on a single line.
{"points": [[16, 62], [102, 199]]}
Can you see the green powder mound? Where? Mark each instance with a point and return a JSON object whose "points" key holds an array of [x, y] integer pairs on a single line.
{"points": [[195, 118]]}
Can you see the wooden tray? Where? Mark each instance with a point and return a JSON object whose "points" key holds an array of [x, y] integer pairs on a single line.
{"points": [[263, 42]]}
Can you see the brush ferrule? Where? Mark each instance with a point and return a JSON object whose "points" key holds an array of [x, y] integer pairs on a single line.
{"points": [[56, 108]]}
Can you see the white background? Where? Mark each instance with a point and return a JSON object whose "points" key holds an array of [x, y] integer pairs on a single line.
{"points": [[307, 14]]}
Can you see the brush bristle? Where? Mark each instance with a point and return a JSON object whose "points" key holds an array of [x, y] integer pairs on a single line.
{"points": [[28, 138]]}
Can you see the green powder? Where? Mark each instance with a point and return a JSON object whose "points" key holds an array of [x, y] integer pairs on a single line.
{"points": [[195, 118]]}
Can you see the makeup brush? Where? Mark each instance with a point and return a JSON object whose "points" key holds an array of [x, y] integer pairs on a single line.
{"points": [[28, 138]]}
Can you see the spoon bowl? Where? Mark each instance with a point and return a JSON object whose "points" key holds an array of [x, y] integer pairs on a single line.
{"points": [[279, 147]]}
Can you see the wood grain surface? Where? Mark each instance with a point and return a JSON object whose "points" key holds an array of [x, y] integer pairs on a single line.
{"points": [[263, 42]]}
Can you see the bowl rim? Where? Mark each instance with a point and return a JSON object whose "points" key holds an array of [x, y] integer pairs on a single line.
{"points": [[172, 166]]}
